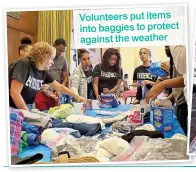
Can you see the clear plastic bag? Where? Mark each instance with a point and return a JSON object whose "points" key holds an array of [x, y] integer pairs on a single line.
{"points": [[75, 146], [146, 149], [192, 147]]}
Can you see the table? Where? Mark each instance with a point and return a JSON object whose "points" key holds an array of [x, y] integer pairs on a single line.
{"points": [[47, 151], [176, 126]]}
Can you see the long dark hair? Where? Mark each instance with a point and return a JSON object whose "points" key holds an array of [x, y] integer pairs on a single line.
{"points": [[171, 62], [168, 53], [105, 61]]}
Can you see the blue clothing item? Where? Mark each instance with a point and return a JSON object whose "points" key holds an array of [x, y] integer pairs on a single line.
{"points": [[32, 139], [30, 128], [84, 128], [32, 150]]}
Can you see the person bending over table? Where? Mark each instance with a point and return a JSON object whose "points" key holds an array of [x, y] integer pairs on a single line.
{"points": [[108, 74], [178, 53], [27, 76], [82, 77], [142, 74]]}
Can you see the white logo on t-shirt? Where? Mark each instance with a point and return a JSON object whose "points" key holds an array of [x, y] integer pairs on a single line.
{"points": [[108, 74], [33, 83], [145, 76]]}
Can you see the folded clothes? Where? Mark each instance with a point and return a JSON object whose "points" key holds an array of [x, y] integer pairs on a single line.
{"points": [[16, 119], [118, 117], [84, 128], [50, 137], [152, 134], [23, 141], [35, 119], [122, 127], [30, 128], [62, 111], [71, 131], [86, 119], [37, 111], [148, 127], [115, 145], [32, 139]]}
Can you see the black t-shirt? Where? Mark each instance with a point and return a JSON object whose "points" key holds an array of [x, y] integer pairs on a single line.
{"points": [[90, 92], [25, 71], [107, 79], [141, 73]]}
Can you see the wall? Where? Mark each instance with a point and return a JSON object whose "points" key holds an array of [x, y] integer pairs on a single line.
{"points": [[131, 60], [16, 29]]}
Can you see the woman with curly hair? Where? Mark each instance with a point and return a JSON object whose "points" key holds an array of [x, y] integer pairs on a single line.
{"points": [[108, 74], [27, 75]]}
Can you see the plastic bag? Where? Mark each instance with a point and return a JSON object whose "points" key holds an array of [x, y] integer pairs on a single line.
{"points": [[146, 149], [157, 70], [76, 147]]}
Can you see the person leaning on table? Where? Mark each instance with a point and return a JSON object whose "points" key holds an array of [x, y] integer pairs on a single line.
{"points": [[179, 58], [27, 76]]}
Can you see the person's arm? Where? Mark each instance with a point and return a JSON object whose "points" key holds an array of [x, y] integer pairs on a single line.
{"points": [[96, 75], [170, 97], [179, 57], [15, 93], [159, 79], [147, 82], [75, 80], [65, 74], [116, 87], [177, 82], [62, 89], [134, 84], [65, 78], [18, 78], [95, 86]]}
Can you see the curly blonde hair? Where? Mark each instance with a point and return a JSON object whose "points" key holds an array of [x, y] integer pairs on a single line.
{"points": [[42, 51]]}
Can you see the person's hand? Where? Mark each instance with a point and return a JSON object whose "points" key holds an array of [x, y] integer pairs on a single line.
{"points": [[136, 84], [44, 87], [98, 97], [154, 92], [165, 66], [80, 99], [146, 82], [105, 91], [54, 96]]}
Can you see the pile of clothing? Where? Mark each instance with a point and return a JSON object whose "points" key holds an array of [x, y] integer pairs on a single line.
{"points": [[82, 136]]}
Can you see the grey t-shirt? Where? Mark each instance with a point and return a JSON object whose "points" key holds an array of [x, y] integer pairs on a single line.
{"points": [[178, 92], [57, 69]]}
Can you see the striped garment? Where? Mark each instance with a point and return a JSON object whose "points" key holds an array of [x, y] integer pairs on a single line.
{"points": [[16, 118]]}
